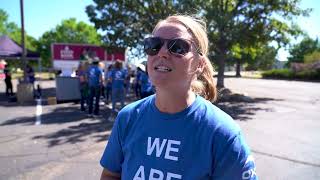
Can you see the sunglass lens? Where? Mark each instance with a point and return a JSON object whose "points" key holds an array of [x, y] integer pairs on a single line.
{"points": [[178, 46], [152, 45]]}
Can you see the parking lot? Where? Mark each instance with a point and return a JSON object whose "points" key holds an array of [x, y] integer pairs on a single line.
{"points": [[281, 125]]}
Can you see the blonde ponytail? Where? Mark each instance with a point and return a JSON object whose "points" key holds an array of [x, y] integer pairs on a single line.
{"points": [[204, 85]]}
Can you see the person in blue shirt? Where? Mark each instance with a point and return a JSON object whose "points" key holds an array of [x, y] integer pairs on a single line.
{"points": [[117, 79], [137, 78], [31, 77], [83, 85], [95, 80], [30, 74], [177, 133], [108, 87], [145, 84], [127, 84]]}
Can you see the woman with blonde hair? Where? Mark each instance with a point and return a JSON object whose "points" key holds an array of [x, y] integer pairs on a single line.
{"points": [[177, 133]]}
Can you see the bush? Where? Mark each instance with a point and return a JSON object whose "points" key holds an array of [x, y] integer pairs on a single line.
{"points": [[289, 74], [308, 75], [278, 74]]}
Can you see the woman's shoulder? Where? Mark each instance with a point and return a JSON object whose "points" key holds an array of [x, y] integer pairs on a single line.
{"points": [[135, 108], [218, 120], [139, 103]]}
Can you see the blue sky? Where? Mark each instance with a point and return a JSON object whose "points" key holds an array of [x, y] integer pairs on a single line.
{"points": [[43, 15]]}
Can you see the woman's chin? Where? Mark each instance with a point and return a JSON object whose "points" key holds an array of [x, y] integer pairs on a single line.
{"points": [[160, 83], [158, 79]]}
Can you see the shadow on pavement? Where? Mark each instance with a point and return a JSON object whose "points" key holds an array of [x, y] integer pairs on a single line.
{"points": [[240, 106], [57, 116], [74, 126], [78, 133], [12, 101], [6, 101], [244, 110], [83, 128], [48, 92], [80, 130]]}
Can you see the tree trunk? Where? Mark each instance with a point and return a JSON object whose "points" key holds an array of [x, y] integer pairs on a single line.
{"points": [[221, 63], [238, 68], [222, 56]]}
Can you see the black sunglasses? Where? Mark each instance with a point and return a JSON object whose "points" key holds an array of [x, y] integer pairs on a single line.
{"points": [[177, 46]]}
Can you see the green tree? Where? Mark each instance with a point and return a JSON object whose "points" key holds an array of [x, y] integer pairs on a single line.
{"points": [[305, 47], [3, 22], [241, 55], [126, 23], [230, 22], [248, 22], [14, 32], [69, 31], [264, 60], [313, 57]]}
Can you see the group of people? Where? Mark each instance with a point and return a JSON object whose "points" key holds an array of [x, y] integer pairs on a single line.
{"points": [[113, 84]]}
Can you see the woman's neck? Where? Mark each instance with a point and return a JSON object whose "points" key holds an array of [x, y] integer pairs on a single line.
{"points": [[173, 102]]}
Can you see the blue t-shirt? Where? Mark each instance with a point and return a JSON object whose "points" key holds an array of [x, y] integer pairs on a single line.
{"points": [[118, 77], [126, 73], [94, 73], [200, 142], [108, 76], [138, 76], [146, 85]]}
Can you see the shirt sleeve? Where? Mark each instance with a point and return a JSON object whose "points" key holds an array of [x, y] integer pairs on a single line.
{"points": [[112, 157], [234, 161]]}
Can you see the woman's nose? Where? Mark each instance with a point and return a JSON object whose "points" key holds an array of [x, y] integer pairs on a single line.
{"points": [[163, 52]]}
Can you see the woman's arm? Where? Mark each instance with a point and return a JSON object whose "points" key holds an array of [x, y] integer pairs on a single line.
{"points": [[107, 175]]}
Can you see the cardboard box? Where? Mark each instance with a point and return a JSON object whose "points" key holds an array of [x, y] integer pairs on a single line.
{"points": [[52, 100]]}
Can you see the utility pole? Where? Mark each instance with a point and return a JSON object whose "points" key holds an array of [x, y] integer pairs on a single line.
{"points": [[23, 57], [24, 89]]}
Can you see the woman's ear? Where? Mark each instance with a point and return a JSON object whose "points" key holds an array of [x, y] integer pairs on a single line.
{"points": [[201, 65]]}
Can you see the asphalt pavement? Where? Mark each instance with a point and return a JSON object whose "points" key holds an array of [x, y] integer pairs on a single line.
{"points": [[281, 125]]}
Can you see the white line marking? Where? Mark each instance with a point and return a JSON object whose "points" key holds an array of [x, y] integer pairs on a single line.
{"points": [[38, 112]]}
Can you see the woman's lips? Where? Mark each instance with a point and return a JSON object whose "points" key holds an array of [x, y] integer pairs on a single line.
{"points": [[162, 68]]}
